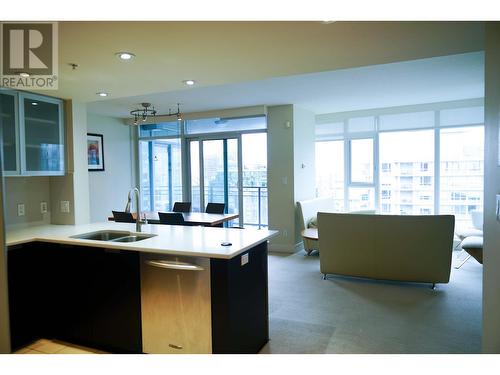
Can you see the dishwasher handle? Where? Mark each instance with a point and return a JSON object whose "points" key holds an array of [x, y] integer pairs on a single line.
{"points": [[181, 266]]}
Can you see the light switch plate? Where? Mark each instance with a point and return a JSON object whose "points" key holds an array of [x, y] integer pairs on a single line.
{"points": [[65, 207], [43, 207], [21, 209], [244, 259], [497, 213]]}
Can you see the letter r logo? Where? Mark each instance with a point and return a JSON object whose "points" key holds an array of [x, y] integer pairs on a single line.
{"points": [[27, 47]]}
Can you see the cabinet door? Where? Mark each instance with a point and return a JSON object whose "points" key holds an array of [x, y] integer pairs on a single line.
{"points": [[72, 294], [42, 140], [23, 296], [9, 133], [116, 301]]}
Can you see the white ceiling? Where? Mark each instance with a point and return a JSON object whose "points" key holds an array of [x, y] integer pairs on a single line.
{"points": [[446, 78], [226, 53]]}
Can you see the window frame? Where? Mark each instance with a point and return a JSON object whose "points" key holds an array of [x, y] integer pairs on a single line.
{"points": [[375, 134]]}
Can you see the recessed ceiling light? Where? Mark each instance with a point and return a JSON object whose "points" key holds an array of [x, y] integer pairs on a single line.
{"points": [[24, 74], [189, 82], [34, 103], [125, 56], [103, 94]]}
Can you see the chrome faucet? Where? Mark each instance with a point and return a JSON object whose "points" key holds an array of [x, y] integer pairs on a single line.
{"points": [[138, 218]]}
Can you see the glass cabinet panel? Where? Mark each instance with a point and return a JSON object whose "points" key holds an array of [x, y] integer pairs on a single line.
{"points": [[43, 137], [8, 130]]}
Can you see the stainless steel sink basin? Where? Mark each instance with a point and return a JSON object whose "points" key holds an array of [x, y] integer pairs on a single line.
{"points": [[133, 238], [113, 236]]}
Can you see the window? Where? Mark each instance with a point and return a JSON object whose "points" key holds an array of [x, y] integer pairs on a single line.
{"points": [[403, 146], [164, 129], [386, 208], [407, 150], [160, 178], [425, 180], [220, 125], [361, 199], [254, 178], [461, 189], [330, 171], [362, 160]]}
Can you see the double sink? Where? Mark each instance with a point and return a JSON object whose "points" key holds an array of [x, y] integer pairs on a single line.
{"points": [[113, 236]]}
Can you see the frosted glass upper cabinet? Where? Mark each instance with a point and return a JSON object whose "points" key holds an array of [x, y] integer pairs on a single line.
{"points": [[42, 137], [9, 132]]}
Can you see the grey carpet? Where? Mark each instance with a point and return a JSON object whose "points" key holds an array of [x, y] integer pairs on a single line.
{"points": [[349, 315]]}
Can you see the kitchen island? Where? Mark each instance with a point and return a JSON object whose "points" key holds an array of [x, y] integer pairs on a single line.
{"points": [[180, 289]]}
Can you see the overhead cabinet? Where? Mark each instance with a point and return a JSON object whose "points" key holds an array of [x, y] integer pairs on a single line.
{"points": [[32, 133]]}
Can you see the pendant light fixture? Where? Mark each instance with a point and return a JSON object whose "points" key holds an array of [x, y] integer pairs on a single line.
{"points": [[143, 113], [147, 110]]}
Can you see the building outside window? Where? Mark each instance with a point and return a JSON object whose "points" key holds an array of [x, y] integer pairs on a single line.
{"points": [[418, 154]]}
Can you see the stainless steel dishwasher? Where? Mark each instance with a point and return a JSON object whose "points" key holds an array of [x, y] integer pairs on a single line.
{"points": [[176, 305]]}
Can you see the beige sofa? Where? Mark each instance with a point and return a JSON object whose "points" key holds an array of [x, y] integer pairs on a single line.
{"points": [[387, 247], [308, 211]]}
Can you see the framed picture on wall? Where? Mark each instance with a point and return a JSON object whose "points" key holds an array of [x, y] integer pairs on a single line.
{"points": [[95, 152]]}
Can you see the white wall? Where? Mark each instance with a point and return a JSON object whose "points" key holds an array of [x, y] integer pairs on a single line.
{"points": [[491, 250], [108, 190], [304, 161]]}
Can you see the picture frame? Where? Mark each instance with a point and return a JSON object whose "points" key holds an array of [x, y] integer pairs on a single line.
{"points": [[95, 152]]}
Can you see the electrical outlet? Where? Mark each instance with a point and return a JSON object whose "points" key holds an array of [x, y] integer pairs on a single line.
{"points": [[285, 233], [65, 207], [244, 259], [20, 209], [43, 207]]}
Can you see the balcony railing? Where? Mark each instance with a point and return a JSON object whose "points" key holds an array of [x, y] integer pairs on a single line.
{"points": [[255, 201]]}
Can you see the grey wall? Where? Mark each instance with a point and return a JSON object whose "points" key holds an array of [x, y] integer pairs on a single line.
{"points": [[108, 190], [491, 278], [28, 190], [280, 176], [290, 135], [73, 186]]}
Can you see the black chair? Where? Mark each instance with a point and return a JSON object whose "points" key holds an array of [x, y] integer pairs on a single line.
{"points": [[215, 208], [171, 218], [182, 207], [123, 217]]}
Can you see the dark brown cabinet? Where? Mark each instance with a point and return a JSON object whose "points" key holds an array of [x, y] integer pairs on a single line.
{"points": [[83, 295], [92, 296]]}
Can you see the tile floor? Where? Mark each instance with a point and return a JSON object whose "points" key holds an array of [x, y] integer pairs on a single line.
{"points": [[44, 346]]}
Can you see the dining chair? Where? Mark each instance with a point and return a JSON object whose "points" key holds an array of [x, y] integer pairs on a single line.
{"points": [[123, 217], [171, 218], [182, 207], [215, 208]]}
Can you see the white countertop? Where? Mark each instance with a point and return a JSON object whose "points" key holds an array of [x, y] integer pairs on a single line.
{"points": [[169, 239]]}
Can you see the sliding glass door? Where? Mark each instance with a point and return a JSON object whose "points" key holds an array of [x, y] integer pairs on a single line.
{"points": [[216, 173], [230, 170], [161, 174]]}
